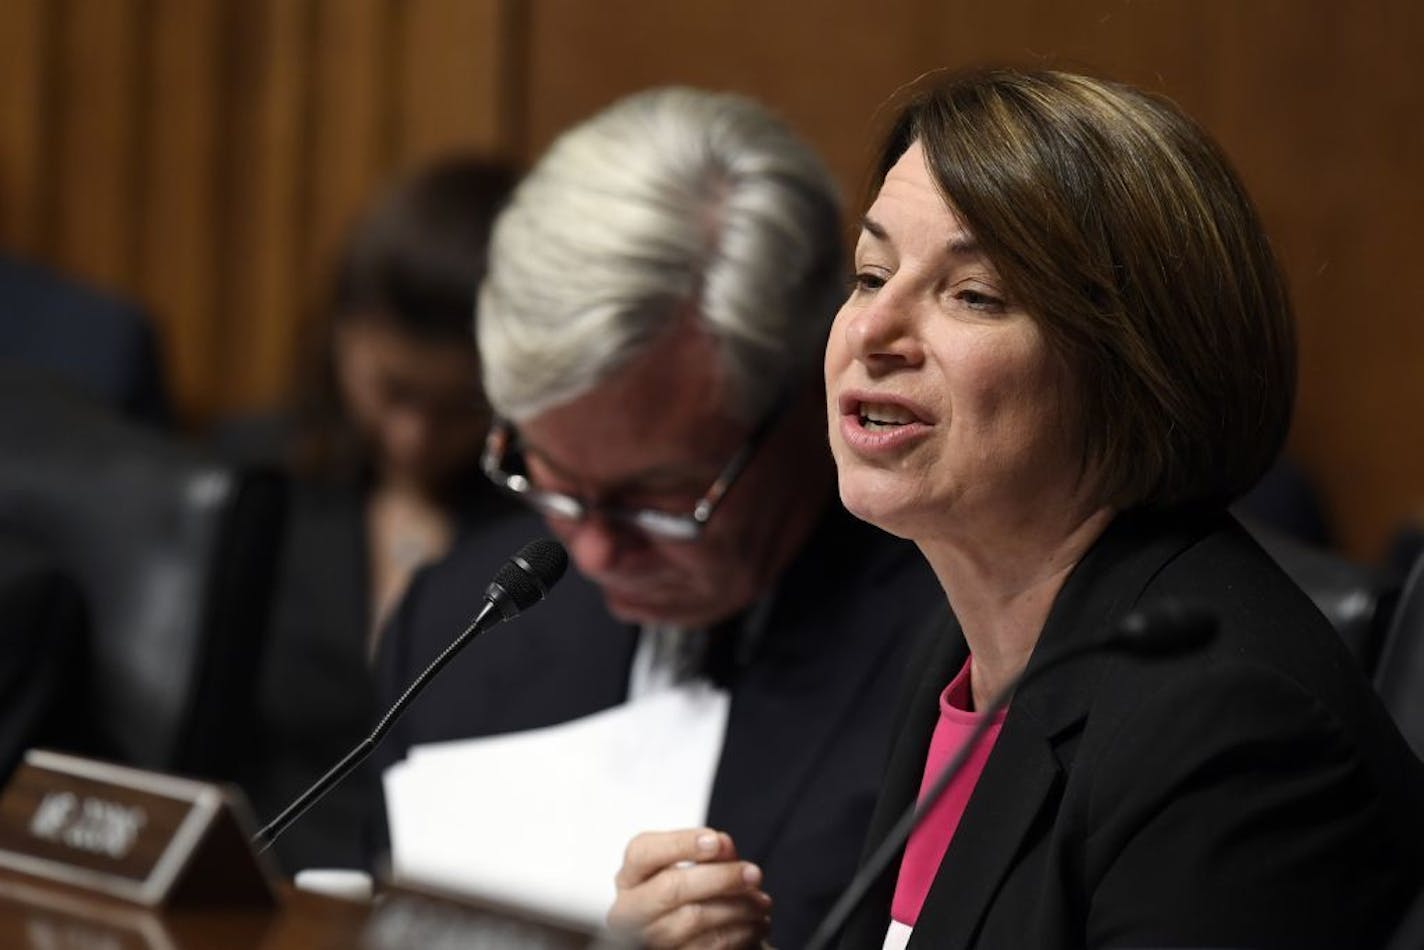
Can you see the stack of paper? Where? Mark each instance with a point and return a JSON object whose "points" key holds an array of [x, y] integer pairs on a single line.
{"points": [[541, 818]]}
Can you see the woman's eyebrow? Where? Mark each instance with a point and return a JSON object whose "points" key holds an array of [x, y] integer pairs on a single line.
{"points": [[960, 244]]}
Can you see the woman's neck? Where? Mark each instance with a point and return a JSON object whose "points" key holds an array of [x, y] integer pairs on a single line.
{"points": [[1002, 585], [405, 529]]}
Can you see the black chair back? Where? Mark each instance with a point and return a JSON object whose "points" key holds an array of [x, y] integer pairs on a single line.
{"points": [[1358, 600], [174, 555], [1400, 678]]}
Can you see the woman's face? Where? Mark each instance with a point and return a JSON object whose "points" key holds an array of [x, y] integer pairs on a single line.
{"points": [[947, 407], [415, 401]]}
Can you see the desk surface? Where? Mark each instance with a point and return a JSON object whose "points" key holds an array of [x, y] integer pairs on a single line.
{"points": [[37, 916], [41, 918]]}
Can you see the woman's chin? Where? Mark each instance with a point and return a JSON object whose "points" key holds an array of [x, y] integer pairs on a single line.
{"points": [[887, 510]]}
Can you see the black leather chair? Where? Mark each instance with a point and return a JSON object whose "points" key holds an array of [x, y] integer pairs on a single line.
{"points": [[174, 557], [1400, 678], [42, 629], [1400, 682], [1358, 600]]}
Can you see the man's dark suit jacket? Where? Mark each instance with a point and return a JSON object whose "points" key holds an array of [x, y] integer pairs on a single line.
{"points": [[1249, 794], [811, 701]]}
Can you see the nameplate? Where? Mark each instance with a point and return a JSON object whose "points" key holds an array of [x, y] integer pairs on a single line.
{"points": [[409, 916], [125, 833]]}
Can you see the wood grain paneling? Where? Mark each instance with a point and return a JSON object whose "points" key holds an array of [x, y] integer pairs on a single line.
{"points": [[1324, 123], [24, 119], [456, 79], [1320, 106], [205, 155], [181, 220], [351, 118], [96, 138], [266, 181]]}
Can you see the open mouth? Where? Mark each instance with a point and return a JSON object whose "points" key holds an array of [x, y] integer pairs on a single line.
{"points": [[883, 417]]}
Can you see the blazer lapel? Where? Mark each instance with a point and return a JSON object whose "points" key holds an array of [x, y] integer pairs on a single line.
{"points": [[940, 656], [1020, 780]]}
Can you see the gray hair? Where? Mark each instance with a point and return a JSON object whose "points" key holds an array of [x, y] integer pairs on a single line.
{"points": [[671, 202]]}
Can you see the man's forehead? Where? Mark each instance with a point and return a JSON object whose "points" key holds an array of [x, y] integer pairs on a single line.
{"points": [[667, 411], [639, 446]]}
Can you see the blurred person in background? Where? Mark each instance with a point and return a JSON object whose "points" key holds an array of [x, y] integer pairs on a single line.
{"points": [[383, 451], [659, 294]]}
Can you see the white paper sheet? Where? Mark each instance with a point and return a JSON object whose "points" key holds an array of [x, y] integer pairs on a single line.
{"points": [[541, 818]]}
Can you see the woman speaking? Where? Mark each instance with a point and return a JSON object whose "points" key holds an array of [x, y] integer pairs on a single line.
{"points": [[1067, 348]]}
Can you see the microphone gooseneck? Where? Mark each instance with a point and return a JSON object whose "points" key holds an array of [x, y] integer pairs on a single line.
{"points": [[1160, 628], [520, 583]]}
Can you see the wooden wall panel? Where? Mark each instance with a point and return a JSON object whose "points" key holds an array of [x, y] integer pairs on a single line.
{"points": [[266, 184], [180, 222], [24, 119], [823, 69], [829, 67], [1320, 106], [457, 81], [1324, 121], [97, 115], [205, 155], [350, 129]]}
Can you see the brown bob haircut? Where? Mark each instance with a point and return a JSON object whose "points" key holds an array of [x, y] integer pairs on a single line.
{"points": [[1120, 227]]}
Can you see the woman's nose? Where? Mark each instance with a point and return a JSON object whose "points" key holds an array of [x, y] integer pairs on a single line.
{"points": [[881, 334]]}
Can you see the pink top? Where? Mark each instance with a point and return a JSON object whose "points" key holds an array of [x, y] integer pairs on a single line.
{"points": [[928, 842]]}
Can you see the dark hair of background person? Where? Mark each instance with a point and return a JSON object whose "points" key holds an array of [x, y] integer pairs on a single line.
{"points": [[413, 261], [1121, 228]]}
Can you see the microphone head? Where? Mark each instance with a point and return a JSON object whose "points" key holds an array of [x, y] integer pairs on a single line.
{"points": [[1163, 627], [525, 578]]}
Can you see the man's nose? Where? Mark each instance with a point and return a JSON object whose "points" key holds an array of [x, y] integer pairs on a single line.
{"points": [[596, 543]]}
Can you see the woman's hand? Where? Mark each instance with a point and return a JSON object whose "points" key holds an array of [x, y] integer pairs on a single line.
{"points": [[688, 889]]}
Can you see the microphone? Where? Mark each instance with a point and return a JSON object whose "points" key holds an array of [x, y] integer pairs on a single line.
{"points": [[520, 583], [1160, 628]]}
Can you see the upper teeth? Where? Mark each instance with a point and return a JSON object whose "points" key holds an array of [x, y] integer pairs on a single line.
{"points": [[885, 413]]}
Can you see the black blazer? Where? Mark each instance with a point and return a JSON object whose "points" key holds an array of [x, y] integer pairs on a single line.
{"points": [[1250, 794], [812, 699]]}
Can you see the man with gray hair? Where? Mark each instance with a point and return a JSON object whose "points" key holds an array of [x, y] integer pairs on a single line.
{"points": [[660, 290]]}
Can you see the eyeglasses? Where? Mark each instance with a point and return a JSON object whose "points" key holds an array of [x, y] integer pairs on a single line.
{"points": [[503, 464]]}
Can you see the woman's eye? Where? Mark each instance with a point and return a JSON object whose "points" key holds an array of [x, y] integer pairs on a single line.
{"points": [[867, 280], [977, 300]]}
